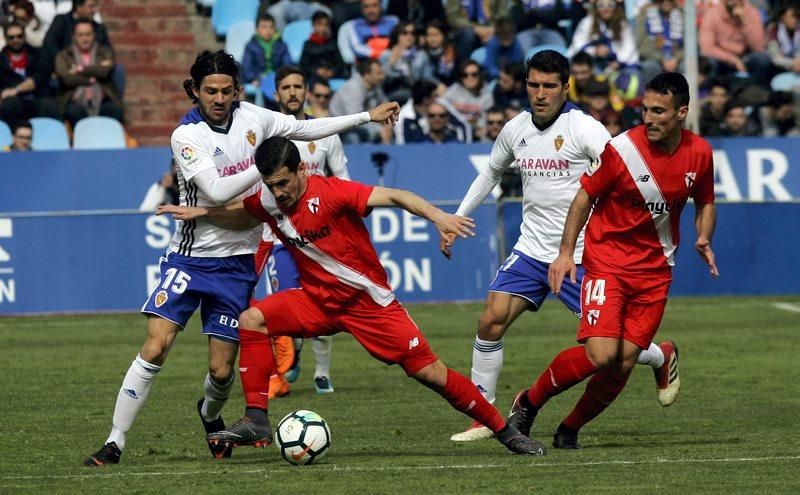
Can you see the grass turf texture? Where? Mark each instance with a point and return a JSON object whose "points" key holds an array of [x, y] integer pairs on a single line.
{"points": [[734, 427]]}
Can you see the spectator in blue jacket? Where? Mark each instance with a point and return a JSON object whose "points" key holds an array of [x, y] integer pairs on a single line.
{"points": [[502, 48], [370, 35], [265, 53]]}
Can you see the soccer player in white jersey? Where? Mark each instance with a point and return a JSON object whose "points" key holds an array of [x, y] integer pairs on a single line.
{"points": [[321, 157], [552, 144], [214, 148]]}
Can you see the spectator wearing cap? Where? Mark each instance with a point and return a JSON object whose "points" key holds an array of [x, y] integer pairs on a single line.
{"points": [[659, 35], [732, 37], [24, 80], [21, 136], [321, 58], [778, 117]]}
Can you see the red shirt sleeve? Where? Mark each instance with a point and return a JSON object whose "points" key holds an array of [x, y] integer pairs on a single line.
{"points": [[602, 173], [704, 192], [252, 204], [352, 195]]}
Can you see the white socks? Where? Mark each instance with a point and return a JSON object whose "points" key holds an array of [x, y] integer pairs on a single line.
{"points": [[652, 357], [216, 396], [322, 355], [131, 397], [487, 361]]}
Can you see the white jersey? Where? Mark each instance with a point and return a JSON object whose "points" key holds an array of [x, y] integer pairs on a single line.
{"points": [[551, 161], [196, 146]]}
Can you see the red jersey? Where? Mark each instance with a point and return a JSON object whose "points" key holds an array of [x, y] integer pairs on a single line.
{"points": [[328, 240], [639, 194]]}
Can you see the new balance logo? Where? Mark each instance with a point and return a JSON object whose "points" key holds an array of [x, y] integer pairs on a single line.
{"points": [[643, 178], [218, 152], [413, 343], [522, 144], [131, 393]]}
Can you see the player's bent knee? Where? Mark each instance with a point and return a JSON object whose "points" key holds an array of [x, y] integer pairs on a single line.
{"points": [[492, 325], [251, 319], [601, 358]]}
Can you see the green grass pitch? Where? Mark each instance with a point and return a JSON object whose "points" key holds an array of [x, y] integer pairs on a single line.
{"points": [[735, 427]]}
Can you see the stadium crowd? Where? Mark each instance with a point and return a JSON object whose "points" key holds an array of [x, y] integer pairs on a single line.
{"points": [[455, 66]]}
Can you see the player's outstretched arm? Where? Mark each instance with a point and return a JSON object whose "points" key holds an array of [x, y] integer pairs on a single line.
{"points": [[447, 224], [310, 129], [564, 264], [705, 220], [231, 217]]}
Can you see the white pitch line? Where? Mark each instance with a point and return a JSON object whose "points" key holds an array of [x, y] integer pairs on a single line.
{"points": [[794, 308], [335, 468]]}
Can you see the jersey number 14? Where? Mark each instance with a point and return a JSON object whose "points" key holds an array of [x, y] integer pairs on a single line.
{"points": [[595, 291]]}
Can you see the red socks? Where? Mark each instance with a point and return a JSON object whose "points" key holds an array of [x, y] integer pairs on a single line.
{"points": [[569, 368], [256, 365], [464, 396], [600, 392]]}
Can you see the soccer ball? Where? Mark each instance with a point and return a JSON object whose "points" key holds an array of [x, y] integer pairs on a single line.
{"points": [[303, 437]]}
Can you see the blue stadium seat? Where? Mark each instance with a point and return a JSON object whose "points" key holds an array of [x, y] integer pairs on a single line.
{"points": [[5, 135], [49, 134], [226, 13], [295, 35], [98, 133], [785, 81], [343, 41], [479, 55], [336, 83], [238, 36], [558, 48]]}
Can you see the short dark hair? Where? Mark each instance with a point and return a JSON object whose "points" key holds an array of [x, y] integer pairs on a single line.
{"points": [[422, 89], [582, 58], [733, 104], [780, 98], [77, 3], [495, 109], [320, 14], [208, 63], [21, 124], [549, 62], [670, 83], [515, 70], [364, 65], [13, 24], [265, 17], [286, 71], [276, 152]]}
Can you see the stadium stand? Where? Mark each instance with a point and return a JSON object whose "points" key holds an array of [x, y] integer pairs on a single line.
{"points": [[226, 13], [343, 40], [295, 35], [98, 133], [5, 135], [479, 55], [49, 134], [238, 36]]}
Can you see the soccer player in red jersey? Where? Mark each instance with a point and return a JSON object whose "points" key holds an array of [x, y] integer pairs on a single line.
{"points": [[343, 287], [635, 192]]}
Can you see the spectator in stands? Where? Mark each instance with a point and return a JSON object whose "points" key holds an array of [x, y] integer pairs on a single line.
{"points": [[712, 112], [286, 11], [659, 36], [737, 122], [783, 39], [84, 69], [21, 136], [441, 54], [417, 12], [163, 192], [510, 88], [404, 63], [606, 35], [581, 72], [360, 93], [502, 48], [537, 22], [265, 53], [59, 35], [319, 99], [471, 96], [732, 37], [778, 117], [471, 21], [495, 120], [370, 34], [321, 58], [439, 129], [412, 122], [23, 12], [24, 84]]}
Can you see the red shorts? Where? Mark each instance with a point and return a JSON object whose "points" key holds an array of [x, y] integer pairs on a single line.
{"points": [[628, 308], [387, 333]]}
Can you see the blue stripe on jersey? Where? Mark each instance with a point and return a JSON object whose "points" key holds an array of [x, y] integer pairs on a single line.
{"points": [[194, 116]]}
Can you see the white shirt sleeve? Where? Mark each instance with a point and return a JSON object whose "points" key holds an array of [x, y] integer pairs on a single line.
{"points": [[278, 124], [501, 158], [224, 189], [337, 160], [593, 138], [191, 153]]}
